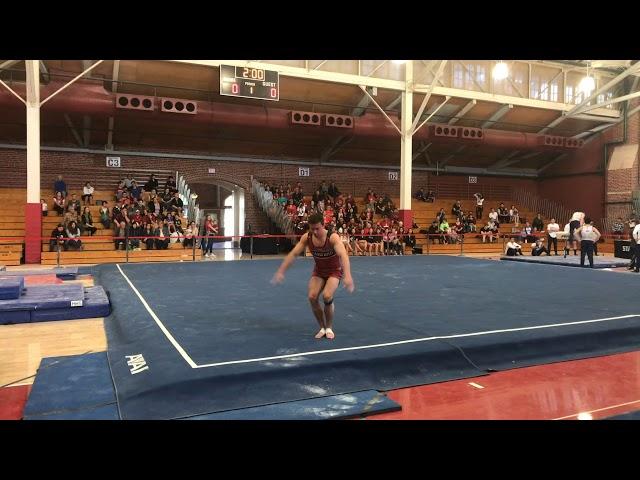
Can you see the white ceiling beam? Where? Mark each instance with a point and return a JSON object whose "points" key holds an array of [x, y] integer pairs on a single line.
{"points": [[427, 96], [611, 101], [463, 111], [502, 111]]}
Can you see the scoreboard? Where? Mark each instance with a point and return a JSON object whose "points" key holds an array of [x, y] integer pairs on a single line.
{"points": [[249, 82]]}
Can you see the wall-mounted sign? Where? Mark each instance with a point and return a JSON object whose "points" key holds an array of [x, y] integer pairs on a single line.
{"points": [[473, 179], [304, 172], [212, 170], [114, 162], [393, 175]]}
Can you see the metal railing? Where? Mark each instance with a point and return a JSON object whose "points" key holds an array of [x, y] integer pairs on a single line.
{"points": [[272, 208], [191, 207], [548, 208]]}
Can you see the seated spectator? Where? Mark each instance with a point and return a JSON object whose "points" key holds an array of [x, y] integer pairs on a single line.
{"points": [[493, 217], [512, 248], [487, 232], [104, 215], [162, 236], [443, 228], [538, 248], [333, 191], [432, 232], [410, 239], [470, 223], [45, 207], [456, 210], [74, 204], [503, 214], [538, 224], [58, 238], [441, 216], [59, 203], [526, 234], [119, 233], [171, 184], [152, 184], [128, 181], [73, 234], [431, 196], [87, 193], [421, 195], [60, 186], [147, 234], [189, 235], [136, 191], [135, 230], [86, 222]]}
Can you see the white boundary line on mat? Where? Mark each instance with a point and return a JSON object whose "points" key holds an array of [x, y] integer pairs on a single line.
{"points": [[173, 341], [415, 340]]}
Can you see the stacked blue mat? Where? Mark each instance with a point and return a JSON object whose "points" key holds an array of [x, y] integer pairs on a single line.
{"points": [[63, 273], [43, 303]]}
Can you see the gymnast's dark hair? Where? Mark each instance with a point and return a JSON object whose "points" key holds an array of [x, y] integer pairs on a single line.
{"points": [[315, 218]]}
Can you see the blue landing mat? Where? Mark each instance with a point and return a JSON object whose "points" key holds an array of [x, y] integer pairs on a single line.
{"points": [[46, 296], [64, 273], [11, 287], [570, 261], [95, 304], [412, 320], [323, 408], [76, 386]]}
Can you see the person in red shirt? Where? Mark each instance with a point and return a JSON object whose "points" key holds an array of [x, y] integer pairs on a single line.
{"points": [[331, 263]]}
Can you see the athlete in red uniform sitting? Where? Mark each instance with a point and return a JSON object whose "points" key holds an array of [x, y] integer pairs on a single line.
{"points": [[331, 262]]}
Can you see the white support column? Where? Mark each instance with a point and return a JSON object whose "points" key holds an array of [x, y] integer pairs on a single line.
{"points": [[406, 120], [236, 216], [33, 212]]}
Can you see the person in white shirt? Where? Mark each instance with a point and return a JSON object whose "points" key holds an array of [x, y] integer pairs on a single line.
{"points": [[479, 202], [588, 235], [512, 248], [635, 235], [552, 236], [493, 216], [87, 193]]}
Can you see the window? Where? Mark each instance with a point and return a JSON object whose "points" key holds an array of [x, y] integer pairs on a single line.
{"points": [[544, 91], [610, 97], [480, 75], [470, 73], [554, 92], [535, 89], [458, 76], [568, 94]]}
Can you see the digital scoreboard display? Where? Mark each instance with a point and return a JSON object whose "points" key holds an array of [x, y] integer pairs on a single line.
{"points": [[249, 82]]}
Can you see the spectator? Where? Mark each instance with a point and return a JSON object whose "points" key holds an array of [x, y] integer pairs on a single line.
{"points": [[514, 215], [59, 203], [526, 234], [74, 204], [73, 234], [333, 191], [45, 207], [552, 236], [432, 232], [87, 193], [421, 195], [431, 197], [493, 217], [135, 232], [152, 184], [479, 202], [128, 181], [512, 248], [161, 232], [503, 214], [538, 224], [147, 235], [189, 235], [60, 186], [210, 229], [538, 248], [171, 184], [136, 191], [58, 238], [104, 215], [87, 222]]}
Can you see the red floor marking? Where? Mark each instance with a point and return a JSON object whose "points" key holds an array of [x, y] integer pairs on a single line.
{"points": [[49, 279], [12, 401]]}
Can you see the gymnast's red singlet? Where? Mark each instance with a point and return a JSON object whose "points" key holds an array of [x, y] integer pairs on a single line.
{"points": [[326, 258]]}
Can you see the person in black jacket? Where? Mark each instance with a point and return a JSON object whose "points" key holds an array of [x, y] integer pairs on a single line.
{"points": [[57, 238]]}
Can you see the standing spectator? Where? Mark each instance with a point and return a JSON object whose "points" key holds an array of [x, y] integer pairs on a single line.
{"points": [[87, 193], [552, 236], [514, 215], [45, 208], [588, 235], [60, 186], [210, 230], [333, 190], [635, 243], [479, 202]]}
